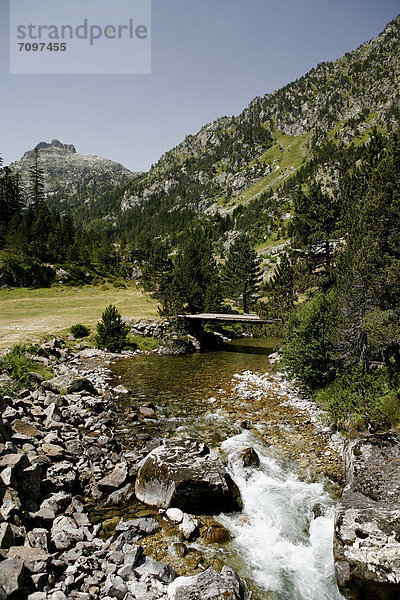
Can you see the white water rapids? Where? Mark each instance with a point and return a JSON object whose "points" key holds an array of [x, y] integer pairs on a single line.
{"points": [[282, 541], [283, 537]]}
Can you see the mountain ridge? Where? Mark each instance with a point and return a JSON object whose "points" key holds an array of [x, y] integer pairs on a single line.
{"points": [[233, 160]]}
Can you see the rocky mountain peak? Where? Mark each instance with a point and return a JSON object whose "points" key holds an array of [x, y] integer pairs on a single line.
{"points": [[56, 144]]}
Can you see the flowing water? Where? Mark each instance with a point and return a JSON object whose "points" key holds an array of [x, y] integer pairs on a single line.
{"points": [[281, 542]]}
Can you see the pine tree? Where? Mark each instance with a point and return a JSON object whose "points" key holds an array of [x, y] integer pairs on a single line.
{"points": [[369, 283], [111, 330], [10, 199], [315, 232], [36, 181], [195, 272], [280, 288], [241, 273]]}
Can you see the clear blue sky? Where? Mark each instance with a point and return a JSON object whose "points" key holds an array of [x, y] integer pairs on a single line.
{"points": [[209, 59]]}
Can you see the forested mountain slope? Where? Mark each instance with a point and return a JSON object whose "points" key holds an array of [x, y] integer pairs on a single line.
{"points": [[234, 158]]}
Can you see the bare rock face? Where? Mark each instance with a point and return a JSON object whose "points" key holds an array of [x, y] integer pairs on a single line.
{"points": [[186, 474], [367, 528]]}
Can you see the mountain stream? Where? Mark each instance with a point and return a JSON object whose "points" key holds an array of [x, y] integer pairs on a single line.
{"points": [[281, 543]]}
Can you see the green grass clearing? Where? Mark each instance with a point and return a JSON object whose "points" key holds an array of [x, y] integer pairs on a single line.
{"points": [[26, 314], [288, 153]]}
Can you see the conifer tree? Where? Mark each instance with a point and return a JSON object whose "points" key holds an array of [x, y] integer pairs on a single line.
{"points": [[369, 283], [111, 330], [241, 273], [280, 288], [195, 271], [10, 200], [36, 181], [315, 231]]}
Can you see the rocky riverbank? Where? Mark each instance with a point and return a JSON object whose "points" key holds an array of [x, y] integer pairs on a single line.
{"points": [[59, 461], [71, 525]]}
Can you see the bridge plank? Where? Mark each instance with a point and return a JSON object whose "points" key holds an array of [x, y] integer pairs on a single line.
{"points": [[243, 318]]}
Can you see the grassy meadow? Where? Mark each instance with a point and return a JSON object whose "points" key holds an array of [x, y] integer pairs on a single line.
{"points": [[27, 314]]}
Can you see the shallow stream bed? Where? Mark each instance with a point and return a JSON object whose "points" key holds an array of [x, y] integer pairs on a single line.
{"points": [[281, 543]]}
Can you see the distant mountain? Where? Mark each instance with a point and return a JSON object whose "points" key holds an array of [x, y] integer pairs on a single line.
{"points": [[234, 159], [88, 186]]}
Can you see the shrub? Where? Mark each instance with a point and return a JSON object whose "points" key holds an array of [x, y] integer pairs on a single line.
{"points": [[111, 330], [79, 330], [18, 366], [358, 398], [144, 343], [307, 347]]}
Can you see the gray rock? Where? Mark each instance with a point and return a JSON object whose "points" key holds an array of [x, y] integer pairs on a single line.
{"points": [[51, 348], [147, 412], [120, 496], [140, 591], [121, 389], [35, 560], [132, 554], [175, 515], [129, 532], [115, 587], [50, 508], [65, 533], [186, 474], [8, 478], [25, 430], [53, 451], [114, 479], [249, 458], [156, 570], [82, 385], [58, 596], [63, 475], [39, 580], [38, 538], [208, 585], [188, 527], [16, 462], [116, 557], [53, 417], [126, 572], [11, 577], [11, 504], [52, 385], [367, 525], [109, 568], [81, 519]]}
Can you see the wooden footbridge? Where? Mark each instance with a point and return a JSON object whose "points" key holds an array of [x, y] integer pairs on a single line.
{"points": [[227, 318]]}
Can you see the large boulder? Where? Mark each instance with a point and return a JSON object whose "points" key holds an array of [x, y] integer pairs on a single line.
{"points": [[367, 527], [208, 585], [186, 474]]}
